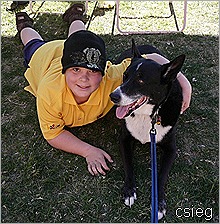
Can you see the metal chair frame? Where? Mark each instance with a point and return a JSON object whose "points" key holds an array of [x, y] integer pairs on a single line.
{"points": [[117, 19], [117, 15]]}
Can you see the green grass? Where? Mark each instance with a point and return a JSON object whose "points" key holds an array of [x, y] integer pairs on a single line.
{"points": [[43, 184]]}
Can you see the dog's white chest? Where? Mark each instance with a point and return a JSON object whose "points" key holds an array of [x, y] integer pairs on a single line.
{"points": [[140, 125]]}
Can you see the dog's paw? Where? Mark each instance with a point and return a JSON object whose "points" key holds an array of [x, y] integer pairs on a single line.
{"points": [[161, 214], [130, 196], [129, 201], [162, 209]]}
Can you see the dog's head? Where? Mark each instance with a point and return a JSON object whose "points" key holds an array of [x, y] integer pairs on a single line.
{"points": [[144, 82]]}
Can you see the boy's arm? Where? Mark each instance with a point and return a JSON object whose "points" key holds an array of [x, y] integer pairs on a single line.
{"points": [[185, 84], [186, 91], [52, 127], [94, 156]]}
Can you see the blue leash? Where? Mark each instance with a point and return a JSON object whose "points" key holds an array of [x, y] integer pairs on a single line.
{"points": [[154, 191]]}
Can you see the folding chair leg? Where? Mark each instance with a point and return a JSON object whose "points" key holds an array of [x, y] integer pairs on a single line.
{"points": [[113, 24], [148, 31], [90, 18], [31, 7], [174, 15]]}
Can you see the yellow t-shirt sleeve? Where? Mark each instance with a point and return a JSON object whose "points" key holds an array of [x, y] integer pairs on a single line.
{"points": [[117, 71], [51, 122]]}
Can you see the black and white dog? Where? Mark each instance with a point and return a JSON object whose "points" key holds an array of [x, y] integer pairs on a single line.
{"points": [[149, 90]]}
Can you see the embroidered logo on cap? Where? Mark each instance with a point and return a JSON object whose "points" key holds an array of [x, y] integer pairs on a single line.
{"points": [[89, 56], [92, 56]]}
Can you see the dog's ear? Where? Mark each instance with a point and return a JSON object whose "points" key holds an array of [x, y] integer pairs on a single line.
{"points": [[171, 69], [135, 51]]}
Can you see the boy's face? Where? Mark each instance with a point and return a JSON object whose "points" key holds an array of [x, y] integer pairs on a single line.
{"points": [[82, 82]]}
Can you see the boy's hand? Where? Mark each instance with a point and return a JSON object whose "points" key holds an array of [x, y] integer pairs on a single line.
{"points": [[186, 98], [95, 159]]}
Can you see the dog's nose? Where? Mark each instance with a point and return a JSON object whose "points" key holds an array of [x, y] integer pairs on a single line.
{"points": [[115, 97]]}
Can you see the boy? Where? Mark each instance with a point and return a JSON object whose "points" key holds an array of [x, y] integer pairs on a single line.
{"points": [[71, 81]]}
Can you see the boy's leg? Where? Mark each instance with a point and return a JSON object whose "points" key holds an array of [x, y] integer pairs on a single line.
{"points": [[25, 28], [30, 38], [75, 26], [27, 34], [75, 18]]}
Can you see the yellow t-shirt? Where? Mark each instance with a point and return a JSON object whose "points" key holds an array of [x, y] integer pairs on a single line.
{"points": [[56, 106]]}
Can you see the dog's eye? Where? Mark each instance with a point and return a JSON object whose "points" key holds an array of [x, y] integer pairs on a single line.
{"points": [[139, 78], [140, 81]]}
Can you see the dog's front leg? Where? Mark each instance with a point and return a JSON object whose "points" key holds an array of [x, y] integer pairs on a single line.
{"points": [[167, 160], [126, 149]]}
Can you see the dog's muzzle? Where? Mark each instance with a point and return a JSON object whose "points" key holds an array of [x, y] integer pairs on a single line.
{"points": [[115, 97]]}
